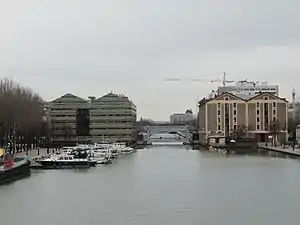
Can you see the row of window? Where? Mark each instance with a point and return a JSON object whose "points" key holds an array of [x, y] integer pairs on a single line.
{"points": [[95, 116], [101, 136], [104, 122], [258, 111], [234, 112], [234, 120], [234, 127], [258, 119], [273, 104], [234, 104]]}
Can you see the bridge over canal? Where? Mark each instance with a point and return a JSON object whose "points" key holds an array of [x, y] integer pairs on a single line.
{"points": [[165, 134]]}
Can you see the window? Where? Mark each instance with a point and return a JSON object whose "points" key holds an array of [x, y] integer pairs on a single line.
{"points": [[274, 111], [226, 98], [274, 119], [257, 104], [219, 105], [274, 104], [234, 120], [234, 105], [219, 127], [257, 127], [234, 127], [266, 98], [257, 119], [234, 112], [219, 120], [257, 112], [219, 112], [226, 106]]}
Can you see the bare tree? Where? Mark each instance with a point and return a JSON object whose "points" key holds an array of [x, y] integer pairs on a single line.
{"points": [[20, 108], [241, 131]]}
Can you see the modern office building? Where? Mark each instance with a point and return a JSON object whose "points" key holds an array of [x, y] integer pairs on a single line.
{"points": [[223, 114], [113, 118], [109, 118], [63, 119]]}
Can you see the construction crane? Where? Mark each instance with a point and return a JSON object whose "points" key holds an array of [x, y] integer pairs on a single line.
{"points": [[224, 81]]}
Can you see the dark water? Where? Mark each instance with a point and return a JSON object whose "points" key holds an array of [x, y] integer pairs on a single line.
{"points": [[163, 186]]}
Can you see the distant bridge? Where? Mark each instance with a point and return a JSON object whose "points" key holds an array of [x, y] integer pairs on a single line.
{"points": [[166, 133]]}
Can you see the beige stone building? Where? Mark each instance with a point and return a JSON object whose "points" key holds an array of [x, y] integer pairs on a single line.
{"points": [[111, 118], [261, 115]]}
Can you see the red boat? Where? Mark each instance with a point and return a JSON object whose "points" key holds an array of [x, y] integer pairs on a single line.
{"points": [[12, 169]]}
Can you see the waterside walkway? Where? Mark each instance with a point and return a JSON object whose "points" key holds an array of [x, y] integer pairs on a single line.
{"points": [[35, 153], [288, 151]]}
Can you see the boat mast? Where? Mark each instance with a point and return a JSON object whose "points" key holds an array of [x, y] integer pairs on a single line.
{"points": [[14, 140]]}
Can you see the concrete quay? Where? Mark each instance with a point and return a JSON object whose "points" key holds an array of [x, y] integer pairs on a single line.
{"points": [[286, 151], [36, 153]]}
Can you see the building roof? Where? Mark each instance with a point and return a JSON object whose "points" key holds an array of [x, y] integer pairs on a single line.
{"points": [[68, 95], [269, 94], [242, 97], [114, 97]]}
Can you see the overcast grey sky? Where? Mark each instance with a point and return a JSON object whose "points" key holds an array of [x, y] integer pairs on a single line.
{"points": [[91, 47]]}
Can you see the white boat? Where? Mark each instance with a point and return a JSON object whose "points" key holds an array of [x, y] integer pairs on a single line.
{"points": [[127, 150], [66, 161]]}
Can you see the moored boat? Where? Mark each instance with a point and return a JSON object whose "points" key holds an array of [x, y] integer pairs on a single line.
{"points": [[65, 161], [12, 169]]}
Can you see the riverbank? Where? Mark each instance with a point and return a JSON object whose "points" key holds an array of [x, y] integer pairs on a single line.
{"points": [[35, 153], [287, 151]]}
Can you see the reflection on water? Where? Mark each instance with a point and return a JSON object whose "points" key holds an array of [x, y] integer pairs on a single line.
{"points": [[160, 185]]}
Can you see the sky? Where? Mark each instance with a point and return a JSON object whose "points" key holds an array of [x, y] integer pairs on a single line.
{"points": [[92, 47]]}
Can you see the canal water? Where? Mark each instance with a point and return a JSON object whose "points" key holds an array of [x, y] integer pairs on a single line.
{"points": [[160, 185]]}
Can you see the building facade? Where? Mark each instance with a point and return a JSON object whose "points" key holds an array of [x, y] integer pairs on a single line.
{"points": [[113, 118], [62, 117], [109, 118], [182, 118], [264, 116]]}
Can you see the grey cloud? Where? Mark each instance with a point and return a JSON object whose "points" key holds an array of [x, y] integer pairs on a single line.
{"points": [[130, 45]]}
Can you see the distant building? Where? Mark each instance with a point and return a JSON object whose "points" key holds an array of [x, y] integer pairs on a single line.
{"points": [[224, 114], [109, 118], [182, 118], [249, 88], [177, 118], [298, 133]]}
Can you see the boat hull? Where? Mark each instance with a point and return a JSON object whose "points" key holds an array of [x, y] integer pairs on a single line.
{"points": [[15, 173], [66, 165]]}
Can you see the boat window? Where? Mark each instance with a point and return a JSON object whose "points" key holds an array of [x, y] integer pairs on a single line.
{"points": [[60, 158]]}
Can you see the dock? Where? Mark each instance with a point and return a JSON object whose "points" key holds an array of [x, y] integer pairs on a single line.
{"points": [[286, 151], [35, 153]]}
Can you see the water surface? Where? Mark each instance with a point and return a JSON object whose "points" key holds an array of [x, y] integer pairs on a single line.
{"points": [[161, 185]]}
